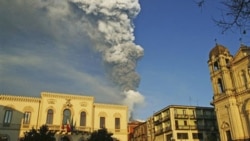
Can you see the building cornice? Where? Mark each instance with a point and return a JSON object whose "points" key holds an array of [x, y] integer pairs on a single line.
{"points": [[114, 106], [19, 98], [66, 96]]}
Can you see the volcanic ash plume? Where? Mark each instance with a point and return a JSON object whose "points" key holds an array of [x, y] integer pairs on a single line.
{"points": [[113, 19], [62, 30]]}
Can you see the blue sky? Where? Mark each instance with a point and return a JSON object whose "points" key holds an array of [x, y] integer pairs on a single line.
{"points": [[58, 46], [177, 37]]}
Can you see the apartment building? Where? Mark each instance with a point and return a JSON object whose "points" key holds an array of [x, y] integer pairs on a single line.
{"points": [[140, 132], [72, 117], [131, 128], [185, 123]]}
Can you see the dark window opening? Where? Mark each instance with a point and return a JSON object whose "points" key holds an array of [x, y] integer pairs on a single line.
{"points": [[197, 136], [176, 124], [66, 116], [182, 135], [83, 119], [228, 133], [117, 123], [185, 122], [50, 115], [7, 118], [220, 86], [102, 122], [216, 66]]}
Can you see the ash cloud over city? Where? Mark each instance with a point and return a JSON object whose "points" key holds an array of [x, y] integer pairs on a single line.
{"points": [[71, 46]]}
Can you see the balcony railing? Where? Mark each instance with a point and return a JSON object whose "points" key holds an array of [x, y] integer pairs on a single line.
{"points": [[183, 116], [195, 127]]}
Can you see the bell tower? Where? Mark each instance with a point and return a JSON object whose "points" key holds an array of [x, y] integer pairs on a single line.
{"points": [[230, 81], [219, 66]]}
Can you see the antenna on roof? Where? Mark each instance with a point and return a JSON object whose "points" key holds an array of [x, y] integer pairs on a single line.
{"points": [[190, 100]]}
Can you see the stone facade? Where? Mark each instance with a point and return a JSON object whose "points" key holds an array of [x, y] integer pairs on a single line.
{"points": [[71, 116], [230, 78]]}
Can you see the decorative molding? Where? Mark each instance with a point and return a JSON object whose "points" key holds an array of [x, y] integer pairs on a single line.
{"points": [[19, 98], [66, 96], [84, 104], [51, 101], [67, 104], [99, 105]]}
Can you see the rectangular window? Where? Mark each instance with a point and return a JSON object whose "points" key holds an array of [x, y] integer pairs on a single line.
{"points": [[176, 124], [197, 136], [185, 122], [26, 118], [117, 123], [83, 119], [184, 112], [7, 117], [102, 122], [229, 137], [182, 135]]}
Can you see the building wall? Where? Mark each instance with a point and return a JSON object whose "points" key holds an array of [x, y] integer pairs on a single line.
{"points": [[140, 132], [180, 122], [231, 82], [110, 112], [18, 105], [58, 103]]}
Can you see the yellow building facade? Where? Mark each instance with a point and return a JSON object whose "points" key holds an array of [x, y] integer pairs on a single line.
{"points": [[230, 78], [185, 123], [73, 117]]}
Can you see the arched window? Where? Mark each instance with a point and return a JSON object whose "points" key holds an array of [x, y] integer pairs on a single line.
{"points": [[83, 119], [50, 114], [220, 86], [66, 116], [216, 66]]}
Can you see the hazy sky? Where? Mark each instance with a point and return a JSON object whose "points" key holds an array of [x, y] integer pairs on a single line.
{"points": [[158, 49]]}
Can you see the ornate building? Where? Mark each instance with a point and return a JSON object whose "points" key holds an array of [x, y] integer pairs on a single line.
{"points": [[73, 117], [230, 78]]}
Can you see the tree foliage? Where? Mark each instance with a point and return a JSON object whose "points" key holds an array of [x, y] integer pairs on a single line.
{"points": [[101, 135], [42, 134], [235, 14]]}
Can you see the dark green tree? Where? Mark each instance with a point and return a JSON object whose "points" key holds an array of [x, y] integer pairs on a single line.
{"points": [[101, 135], [42, 134]]}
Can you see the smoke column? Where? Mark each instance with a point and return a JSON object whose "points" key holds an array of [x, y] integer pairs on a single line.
{"points": [[120, 54], [57, 27]]}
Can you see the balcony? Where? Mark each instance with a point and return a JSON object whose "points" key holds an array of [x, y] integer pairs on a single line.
{"points": [[54, 127], [167, 117], [158, 132], [166, 129], [186, 127], [157, 122], [181, 116]]}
